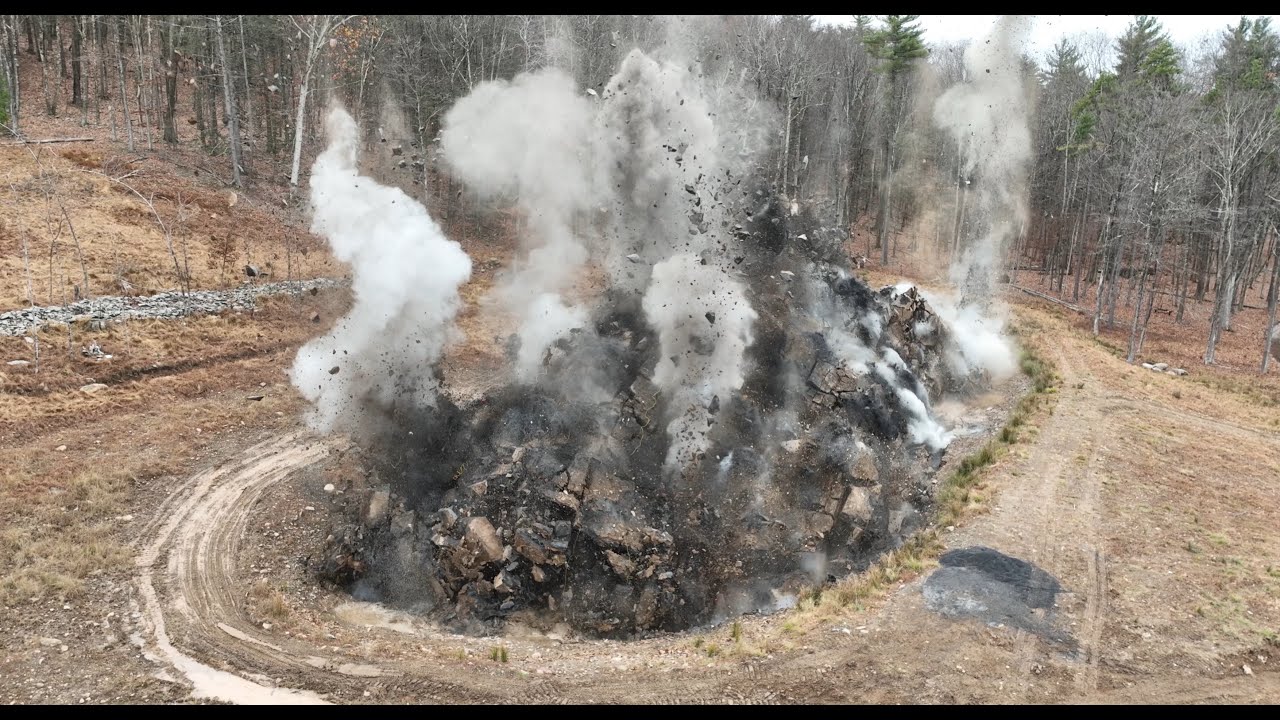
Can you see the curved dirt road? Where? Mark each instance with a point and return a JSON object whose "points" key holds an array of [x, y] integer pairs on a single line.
{"points": [[1136, 504], [200, 525]]}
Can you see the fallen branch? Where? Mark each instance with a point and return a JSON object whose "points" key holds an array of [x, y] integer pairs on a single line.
{"points": [[49, 140], [1051, 299]]}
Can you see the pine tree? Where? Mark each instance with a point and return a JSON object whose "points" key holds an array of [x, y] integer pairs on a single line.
{"points": [[1138, 41], [1161, 67], [897, 45], [1250, 55], [1063, 67]]}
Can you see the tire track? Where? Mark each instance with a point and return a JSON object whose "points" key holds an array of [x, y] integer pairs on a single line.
{"points": [[1051, 515], [194, 522]]}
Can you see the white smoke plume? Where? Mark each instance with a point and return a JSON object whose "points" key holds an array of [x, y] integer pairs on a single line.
{"points": [[673, 156], [987, 115], [922, 428], [529, 140], [406, 275], [650, 151], [980, 343], [704, 322]]}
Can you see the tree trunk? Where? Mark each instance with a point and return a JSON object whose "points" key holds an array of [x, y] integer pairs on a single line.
{"points": [[94, 25], [1183, 281], [297, 127], [211, 86], [9, 38], [1103, 242], [248, 89], [1221, 317], [100, 30], [170, 81], [197, 104], [1137, 328], [886, 189], [1273, 294], [1227, 277], [50, 94], [31, 34], [229, 94], [786, 147], [139, 86], [1202, 270], [1113, 282], [269, 107], [62, 51], [77, 61], [124, 98]]}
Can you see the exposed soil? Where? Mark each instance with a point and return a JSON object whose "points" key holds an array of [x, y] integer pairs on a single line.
{"points": [[1154, 518]]}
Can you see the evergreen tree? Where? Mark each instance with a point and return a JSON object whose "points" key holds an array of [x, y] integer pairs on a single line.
{"points": [[1250, 56], [1138, 41], [897, 45]]}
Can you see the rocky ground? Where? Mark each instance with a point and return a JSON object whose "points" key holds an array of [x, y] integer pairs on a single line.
{"points": [[172, 304]]}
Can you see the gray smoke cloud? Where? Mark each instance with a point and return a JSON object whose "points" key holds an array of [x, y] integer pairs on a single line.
{"points": [[529, 140], [704, 322], [406, 276], [674, 156], [640, 167], [676, 143], [987, 115]]}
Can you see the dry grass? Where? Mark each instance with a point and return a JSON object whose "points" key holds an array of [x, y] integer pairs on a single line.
{"points": [[119, 236], [176, 389], [61, 521], [268, 601], [180, 359]]}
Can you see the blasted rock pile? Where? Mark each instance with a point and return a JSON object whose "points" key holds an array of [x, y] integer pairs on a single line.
{"points": [[525, 505]]}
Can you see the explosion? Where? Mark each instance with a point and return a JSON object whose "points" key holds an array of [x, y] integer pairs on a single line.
{"points": [[731, 418]]}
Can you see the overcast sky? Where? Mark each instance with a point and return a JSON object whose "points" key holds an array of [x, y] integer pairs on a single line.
{"points": [[1184, 30]]}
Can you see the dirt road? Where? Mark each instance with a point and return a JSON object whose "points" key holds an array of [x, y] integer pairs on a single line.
{"points": [[1156, 516]]}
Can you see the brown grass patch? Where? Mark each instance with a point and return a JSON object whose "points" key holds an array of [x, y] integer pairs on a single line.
{"points": [[186, 357], [180, 389], [83, 157], [119, 235], [267, 602], [58, 524]]}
